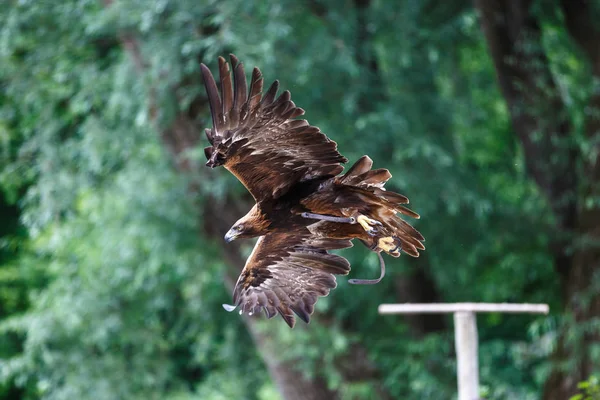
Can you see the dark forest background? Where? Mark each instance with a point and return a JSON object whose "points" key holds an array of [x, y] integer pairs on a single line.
{"points": [[112, 263]]}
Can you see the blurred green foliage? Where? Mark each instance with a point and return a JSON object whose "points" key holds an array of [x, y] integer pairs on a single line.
{"points": [[590, 390], [109, 285]]}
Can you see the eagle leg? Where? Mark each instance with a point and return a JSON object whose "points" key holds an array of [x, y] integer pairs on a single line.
{"points": [[343, 220], [368, 224], [371, 281]]}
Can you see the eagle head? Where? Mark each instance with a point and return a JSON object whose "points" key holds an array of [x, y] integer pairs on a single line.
{"points": [[250, 225]]}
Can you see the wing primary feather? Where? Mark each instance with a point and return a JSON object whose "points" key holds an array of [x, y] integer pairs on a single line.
{"points": [[287, 273], [301, 312], [213, 96], [226, 86], [269, 97], [270, 311], [241, 87], [248, 129], [282, 99], [287, 316], [292, 112], [234, 113], [256, 87], [299, 111], [209, 135], [234, 60]]}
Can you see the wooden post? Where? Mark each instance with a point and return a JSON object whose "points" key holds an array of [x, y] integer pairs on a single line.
{"points": [[465, 337], [465, 334]]}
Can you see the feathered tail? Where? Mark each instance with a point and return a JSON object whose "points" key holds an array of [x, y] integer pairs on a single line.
{"points": [[370, 199]]}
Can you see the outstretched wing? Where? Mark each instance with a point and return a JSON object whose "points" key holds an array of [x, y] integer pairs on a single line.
{"points": [[257, 138], [288, 272]]}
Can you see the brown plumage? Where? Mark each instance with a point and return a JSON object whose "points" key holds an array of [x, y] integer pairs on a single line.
{"points": [[303, 208], [287, 272]]}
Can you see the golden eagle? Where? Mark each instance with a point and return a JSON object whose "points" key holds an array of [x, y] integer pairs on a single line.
{"points": [[304, 208]]}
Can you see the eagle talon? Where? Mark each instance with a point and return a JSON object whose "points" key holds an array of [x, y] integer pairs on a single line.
{"points": [[398, 247], [368, 224], [389, 244]]}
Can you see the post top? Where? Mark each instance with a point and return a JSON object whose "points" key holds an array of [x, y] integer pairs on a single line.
{"points": [[442, 308]]}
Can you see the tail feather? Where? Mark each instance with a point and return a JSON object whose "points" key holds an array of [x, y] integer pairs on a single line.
{"points": [[382, 205], [410, 250], [392, 197], [404, 227], [408, 212]]}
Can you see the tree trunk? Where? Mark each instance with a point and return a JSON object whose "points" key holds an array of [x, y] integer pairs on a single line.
{"points": [[513, 35], [583, 298]]}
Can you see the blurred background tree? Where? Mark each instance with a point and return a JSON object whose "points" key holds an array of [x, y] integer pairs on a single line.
{"points": [[112, 264]]}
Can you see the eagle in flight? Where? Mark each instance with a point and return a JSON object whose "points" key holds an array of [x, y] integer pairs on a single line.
{"points": [[304, 207]]}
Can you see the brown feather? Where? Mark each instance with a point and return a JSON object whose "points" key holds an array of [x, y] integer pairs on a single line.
{"points": [[360, 192], [271, 93], [213, 98], [289, 167], [241, 87], [394, 198], [287, 272], [259, 141], [239, 91], [377, 177], [256, 87], [408, 212], [361, 166], [226, 86], [409, 249]]}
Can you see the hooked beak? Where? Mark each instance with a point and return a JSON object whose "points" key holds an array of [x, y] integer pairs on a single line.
{"points": [[230, 236]]}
